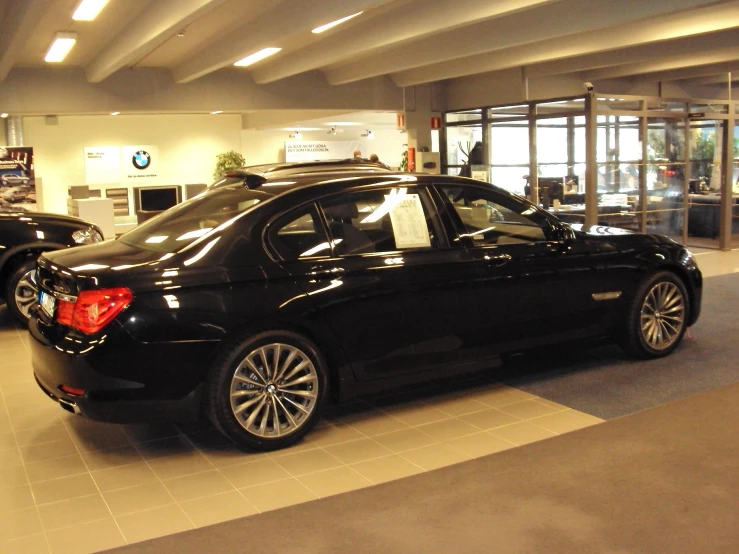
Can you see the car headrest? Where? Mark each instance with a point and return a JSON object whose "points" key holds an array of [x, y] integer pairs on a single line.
{"points": [[343, 212]]}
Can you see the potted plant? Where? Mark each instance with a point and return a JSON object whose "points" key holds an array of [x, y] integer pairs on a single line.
{"points": [[227, 160]]}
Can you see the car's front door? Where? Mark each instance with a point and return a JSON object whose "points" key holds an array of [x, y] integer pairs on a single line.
{"points": [[523, 273], [388, 289]]}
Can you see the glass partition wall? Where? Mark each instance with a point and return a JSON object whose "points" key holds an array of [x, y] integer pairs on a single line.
{"points": [[668, 166]]}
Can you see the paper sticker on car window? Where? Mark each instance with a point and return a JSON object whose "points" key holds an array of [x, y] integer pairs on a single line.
{"points": [[409, 222]]}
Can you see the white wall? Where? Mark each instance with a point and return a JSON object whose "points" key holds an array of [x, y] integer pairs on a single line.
{"points": [[269, 146], [188, 145]]}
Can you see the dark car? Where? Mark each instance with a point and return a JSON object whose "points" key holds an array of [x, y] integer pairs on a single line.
{"points": [[23, 236], [256, 303]]}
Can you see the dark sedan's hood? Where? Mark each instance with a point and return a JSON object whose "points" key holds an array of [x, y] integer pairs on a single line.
{"points": [[44, 217], [619, 236]]}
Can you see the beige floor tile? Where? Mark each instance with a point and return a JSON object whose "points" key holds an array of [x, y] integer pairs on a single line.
{"points": [[501, 395], [566, 421], [253, 473], [64, 488], [50, 433], [150, 524], [88, 537], [435, 456], [19, 523], [48, 450], [196, 486], [170, 467], [308, 461], [480, 444], [406, 439], [215, 509], [522, 433], [457, 405], [555, 405], [5, 425], [16, 497], [53, 469], [41, 417], [389, 468], [334, 434], [138, 498], [448, 429], [209, 439], [74, 511], [13, 476], [229, 456], [334, 481], [527, 409], [35, 544], [115, 457], [93, 435], [122, 477], [22, 392], [10, 457], [377, 424], [302, 446], [164, 447], [489, 419], [8, 441], [418, 414], [358, 451], [150, 432], [279, 494]]}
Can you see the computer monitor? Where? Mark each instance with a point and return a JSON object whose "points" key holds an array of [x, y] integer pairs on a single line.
{"points": [[157, 199]]}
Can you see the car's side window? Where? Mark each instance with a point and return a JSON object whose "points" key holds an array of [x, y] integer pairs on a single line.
{"points": [[490, 218], [299, 234], [383, 220]]}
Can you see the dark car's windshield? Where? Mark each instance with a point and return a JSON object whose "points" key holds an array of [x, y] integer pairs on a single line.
{"points": [[179, 226]]}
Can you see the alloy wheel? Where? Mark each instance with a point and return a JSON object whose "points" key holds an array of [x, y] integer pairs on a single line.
{"points": [[26, 293], [662, 315], [274, 390]]}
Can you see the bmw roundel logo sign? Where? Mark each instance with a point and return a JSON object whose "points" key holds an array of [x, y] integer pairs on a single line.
{"points": [[141, 159]]}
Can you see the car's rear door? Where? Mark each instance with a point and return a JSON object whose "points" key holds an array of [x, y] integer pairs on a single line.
{"points": [[388, 284]]}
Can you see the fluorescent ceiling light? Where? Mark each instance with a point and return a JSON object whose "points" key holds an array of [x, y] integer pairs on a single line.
{"points": [[216, 112], [88, 10], [115, 113], [257, 56], [61, 46], [328, 26], [3, 115]]}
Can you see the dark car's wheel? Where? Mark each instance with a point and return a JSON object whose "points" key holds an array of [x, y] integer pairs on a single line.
{"points": [[21, 291], [266, 392], [658, 316]]}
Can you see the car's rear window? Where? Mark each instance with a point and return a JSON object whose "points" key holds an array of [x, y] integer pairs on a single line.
{"points": [[177, 227]]}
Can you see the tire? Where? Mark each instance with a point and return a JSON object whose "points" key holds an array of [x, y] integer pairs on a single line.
{"points": [[657, 316], [21, 291], [246, 401]]}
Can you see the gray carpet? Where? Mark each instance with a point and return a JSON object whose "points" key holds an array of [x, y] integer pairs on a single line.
{"points": [[604, 382], [662, 480]]}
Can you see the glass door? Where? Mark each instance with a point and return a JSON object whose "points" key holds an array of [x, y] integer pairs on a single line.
{"points": [[705, 182]]}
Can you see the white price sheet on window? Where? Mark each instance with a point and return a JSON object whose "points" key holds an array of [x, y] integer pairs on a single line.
{"points": [[409, 223]]}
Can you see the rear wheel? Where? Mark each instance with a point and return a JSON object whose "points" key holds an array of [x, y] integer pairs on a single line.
{"points": [[21, 291], [658, 316], [267, 391]]}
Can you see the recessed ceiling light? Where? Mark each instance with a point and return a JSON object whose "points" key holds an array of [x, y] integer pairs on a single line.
{"points": [[115, 113], [257, 56], [87, 10], [216, 112], [3, 115], [328, 26], [61, 46]]}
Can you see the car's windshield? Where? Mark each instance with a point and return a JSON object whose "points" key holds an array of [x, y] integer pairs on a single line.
{"points": [[177, 227]]}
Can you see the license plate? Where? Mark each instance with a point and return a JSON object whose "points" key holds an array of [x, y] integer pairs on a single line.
{"points": [[47, 302]]}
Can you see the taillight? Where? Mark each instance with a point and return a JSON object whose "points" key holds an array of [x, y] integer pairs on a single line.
{"points": [[94, 309]]}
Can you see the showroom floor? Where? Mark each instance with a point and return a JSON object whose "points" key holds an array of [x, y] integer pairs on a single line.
{"points": [[72, 485]]}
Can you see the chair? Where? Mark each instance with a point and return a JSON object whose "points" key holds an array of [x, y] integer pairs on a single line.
{"points": [[349, 239]]}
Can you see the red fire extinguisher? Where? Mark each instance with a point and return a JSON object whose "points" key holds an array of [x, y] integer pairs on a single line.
{"points": [[411, 159]]}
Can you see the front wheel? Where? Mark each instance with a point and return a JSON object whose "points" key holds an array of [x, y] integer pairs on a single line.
{"points": [[21, 291], [658, 315], [266, 392]]}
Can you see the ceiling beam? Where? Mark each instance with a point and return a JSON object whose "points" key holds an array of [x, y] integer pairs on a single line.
{"points": [[18, 21], [651, 31], [721, 78], [268, 30], [635, 54], [412, 20], [156, 25], [690, 72], [270, 119], [518, 29]]}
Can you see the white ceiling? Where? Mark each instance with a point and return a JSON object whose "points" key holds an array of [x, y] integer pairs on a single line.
{"points": [[411, 41]]}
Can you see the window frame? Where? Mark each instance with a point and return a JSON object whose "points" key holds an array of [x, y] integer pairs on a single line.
{"points": [[270, 229], [550, 227]]}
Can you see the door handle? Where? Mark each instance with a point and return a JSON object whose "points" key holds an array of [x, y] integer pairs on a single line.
{"points": [[496, 261]]}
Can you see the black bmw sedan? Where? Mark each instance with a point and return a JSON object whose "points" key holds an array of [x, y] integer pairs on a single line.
{"points": [[257, 302]]}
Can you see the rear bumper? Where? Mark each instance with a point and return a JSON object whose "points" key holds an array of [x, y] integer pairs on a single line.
{"points": [[109, 394]]}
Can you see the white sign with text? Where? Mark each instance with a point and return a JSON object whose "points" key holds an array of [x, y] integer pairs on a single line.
{"points": [[140, 164], [315, 150], [102, 165]]}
